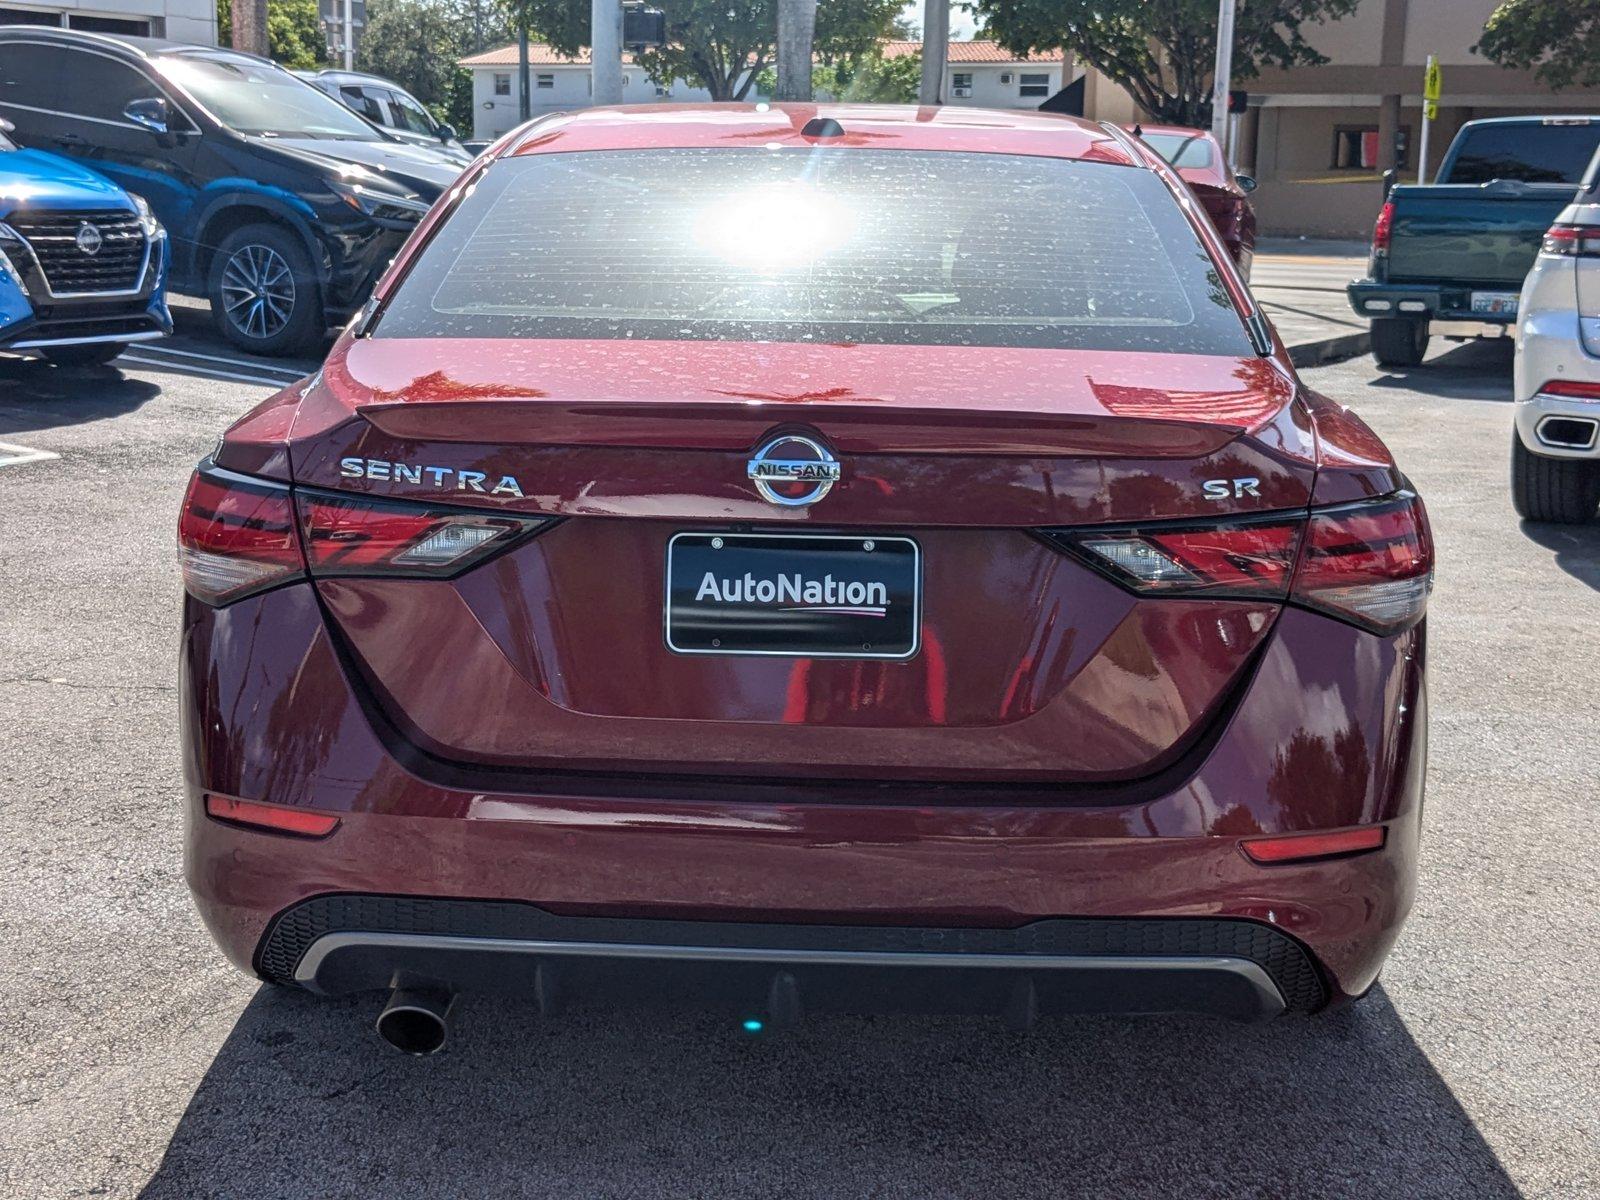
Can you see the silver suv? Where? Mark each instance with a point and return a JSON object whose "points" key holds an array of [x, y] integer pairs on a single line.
{"points": [[1555, 450], [386, 103]]}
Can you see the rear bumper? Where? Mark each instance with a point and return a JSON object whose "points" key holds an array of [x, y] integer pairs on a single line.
{"points": [[1239, 969], [1552, 345], [1329, 734], [1435, 302]]}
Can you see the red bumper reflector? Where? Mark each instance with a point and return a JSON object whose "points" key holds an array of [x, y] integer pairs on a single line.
{"points": [[302, 821], [1301, 846]]}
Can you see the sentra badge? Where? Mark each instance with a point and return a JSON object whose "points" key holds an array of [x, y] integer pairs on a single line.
{"points": [[447, 479]]}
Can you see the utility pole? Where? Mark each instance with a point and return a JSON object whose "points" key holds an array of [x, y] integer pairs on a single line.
{"points": [[349, 34], [1430, 109], [250, 26], [935, 50], [524, 94], [797, 27], [1224, 74], [605, 50]]}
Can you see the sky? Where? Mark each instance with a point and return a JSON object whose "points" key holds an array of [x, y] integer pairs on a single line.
{"points": [[961, 22]]}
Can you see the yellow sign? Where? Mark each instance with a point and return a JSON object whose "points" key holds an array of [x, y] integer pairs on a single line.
{"points": [[1430, 109], [1431, 81]]}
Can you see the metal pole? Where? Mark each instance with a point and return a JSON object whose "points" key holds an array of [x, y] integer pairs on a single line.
{"points": [[935, 50], [1224, 75], [524, 94], [349, 35], [605, 50], [1427, 123]]}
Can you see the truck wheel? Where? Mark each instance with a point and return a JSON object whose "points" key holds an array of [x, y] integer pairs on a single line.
{"points": [[1399, 341], [83, 356], [1566, 490], [264, 294]]}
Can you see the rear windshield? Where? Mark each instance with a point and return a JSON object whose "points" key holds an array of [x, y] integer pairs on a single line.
{"points": [[819, 244], [1543, 153], [1180, 149]]}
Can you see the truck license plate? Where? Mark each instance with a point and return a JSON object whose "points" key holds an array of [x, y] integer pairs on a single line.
{"points": [[1495, 304]]}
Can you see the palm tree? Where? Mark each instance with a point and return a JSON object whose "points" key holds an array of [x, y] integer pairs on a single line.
{"points": [[797, 24]]}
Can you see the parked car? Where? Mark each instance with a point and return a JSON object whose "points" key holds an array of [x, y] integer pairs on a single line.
{"points": [[283, 206], [825, 588], [1200, 161], [389, 105], [82, 262], [1459, 248], [1555, 446]]}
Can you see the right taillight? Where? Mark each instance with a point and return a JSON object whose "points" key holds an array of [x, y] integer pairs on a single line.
{"points": [[1572, 241], [1369, 563]]}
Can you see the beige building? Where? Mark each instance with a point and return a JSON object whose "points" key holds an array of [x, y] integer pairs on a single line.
{"points": [[1319, 138]]}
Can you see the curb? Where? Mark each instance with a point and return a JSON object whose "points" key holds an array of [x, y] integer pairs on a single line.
{"points": [[1330, 350]]}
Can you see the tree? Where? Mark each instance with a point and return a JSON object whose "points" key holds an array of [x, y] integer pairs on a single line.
{"points": [[1558, 39], [1162, 52], [416, 43], [722, 45], [872, 80], [294, 32], [796, 32]]}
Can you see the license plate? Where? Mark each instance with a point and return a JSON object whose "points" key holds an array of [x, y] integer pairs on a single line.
{"points": [[1497, 304], [797, 595]]}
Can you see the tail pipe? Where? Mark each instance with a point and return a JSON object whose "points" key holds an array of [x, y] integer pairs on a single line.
{"points": [[416, 1020]]}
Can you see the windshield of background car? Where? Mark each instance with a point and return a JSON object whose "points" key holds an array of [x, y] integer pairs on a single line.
{"points": [[819, 244], [1180, 150], [260, 99], [1545, 153]]}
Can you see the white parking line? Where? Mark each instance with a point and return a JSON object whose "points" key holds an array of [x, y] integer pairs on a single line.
{"points": [[291, 373], [199, 369], [11, 455]]}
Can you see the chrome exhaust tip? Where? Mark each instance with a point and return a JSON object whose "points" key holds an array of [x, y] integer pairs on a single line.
{"points": [[416, 1020]]}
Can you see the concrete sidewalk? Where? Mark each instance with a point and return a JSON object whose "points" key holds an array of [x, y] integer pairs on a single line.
{"points": [[1300, 284]]}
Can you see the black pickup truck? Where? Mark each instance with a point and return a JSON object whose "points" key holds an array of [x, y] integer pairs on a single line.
{"points": [[1457, 249]]}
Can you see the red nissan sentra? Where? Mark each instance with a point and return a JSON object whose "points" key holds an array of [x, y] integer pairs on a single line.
{"points": [[807, 558]]}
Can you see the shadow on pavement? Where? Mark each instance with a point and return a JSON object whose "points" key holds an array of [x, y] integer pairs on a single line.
{"points": [[1576, 547], [1476, 370], [302, 1100], [39, 395]]}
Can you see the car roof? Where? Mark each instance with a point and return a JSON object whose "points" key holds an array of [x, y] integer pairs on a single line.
{"points": [[1546, 119], [144, 47], [340, 73], [1175, 131], [876, 126]]}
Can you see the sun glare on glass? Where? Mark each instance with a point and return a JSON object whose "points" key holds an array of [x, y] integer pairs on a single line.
{"points": [[773, 228]]}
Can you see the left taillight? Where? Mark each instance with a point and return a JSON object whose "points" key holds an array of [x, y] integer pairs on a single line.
{"points": [[346, 535], [236, 536]]}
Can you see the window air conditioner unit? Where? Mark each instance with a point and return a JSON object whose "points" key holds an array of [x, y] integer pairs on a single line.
{"points": [[960, 92], [1005, 77]]}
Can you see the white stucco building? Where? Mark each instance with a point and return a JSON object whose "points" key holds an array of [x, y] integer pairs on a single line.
{"points": [[555, 84], [180, 20], [979, 73], [984, 75]]}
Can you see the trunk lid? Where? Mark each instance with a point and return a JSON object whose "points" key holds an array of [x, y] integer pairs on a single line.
{"points": [[1029, 665]]}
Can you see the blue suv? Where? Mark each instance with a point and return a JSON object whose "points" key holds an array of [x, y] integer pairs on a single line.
{"points": [[283, 206], [82, 262]]}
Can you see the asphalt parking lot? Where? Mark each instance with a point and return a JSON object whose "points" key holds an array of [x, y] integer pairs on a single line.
{"points": [[138, 1063]]}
